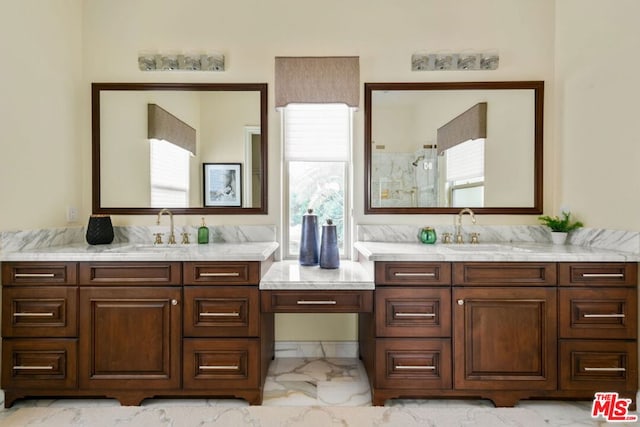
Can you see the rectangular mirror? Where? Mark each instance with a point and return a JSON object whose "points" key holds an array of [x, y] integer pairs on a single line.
{"points": [[152, 140], [438, 147]]}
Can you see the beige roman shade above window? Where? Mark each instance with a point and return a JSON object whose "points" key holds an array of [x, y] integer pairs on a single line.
{"points": [[163, 125], [472, 124], [315, 80]]}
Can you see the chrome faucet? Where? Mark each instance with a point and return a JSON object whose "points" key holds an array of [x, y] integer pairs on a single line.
{"points": [[172, 236], [458, 236]]}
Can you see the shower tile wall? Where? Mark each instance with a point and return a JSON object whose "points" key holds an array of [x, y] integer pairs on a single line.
{"points": [[398, 183]]}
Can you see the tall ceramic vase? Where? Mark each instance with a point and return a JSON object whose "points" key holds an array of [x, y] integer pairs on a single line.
{"points": [[329, 255], [309, 239]]}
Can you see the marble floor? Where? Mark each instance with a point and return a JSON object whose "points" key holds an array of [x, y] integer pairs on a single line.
{"points": [[335, 388]]}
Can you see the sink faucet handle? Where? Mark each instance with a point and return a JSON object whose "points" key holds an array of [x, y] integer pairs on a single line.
{"points": [[474, 238], [185, 238], [172, 239], [446, 238], [158, 239]]}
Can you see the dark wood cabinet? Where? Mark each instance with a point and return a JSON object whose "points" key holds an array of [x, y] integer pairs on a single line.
{"points": [[134, 330], [505, 339], [130, 338], [501, 330]]}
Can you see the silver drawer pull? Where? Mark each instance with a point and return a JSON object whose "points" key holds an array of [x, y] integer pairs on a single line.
{"points": [[218, 367], [602, 275], [614, 315], [32, 368], [604, 369], [304, 302], [414, 274], [415, 368], [415, 315], [33, 314], [33, 275], [230, 274], [234, 314]]}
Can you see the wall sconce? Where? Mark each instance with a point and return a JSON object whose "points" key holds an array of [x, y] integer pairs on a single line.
{"points": [[454, 61], [181, 62]]}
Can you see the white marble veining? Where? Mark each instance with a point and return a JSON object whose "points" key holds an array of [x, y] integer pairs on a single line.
{"points": [[250, 251], [537, 252], [615, 240], [291, 275], [13, 241]]}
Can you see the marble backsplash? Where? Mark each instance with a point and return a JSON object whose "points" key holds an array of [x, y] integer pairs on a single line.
{"points": [[618, 240], [12, 241]]}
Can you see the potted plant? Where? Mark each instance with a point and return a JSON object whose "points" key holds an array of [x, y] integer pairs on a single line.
{"points": [[560, 227]]}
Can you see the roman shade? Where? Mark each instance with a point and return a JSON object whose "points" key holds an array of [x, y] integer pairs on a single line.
{"points": [[165, 126], [472, 124], [313, 80]]}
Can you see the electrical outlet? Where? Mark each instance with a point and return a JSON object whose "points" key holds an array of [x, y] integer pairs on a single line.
{"points": [[72, 214]]}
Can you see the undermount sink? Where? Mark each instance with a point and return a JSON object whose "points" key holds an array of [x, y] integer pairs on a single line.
{"points": [[484, 247], [142, 247]]}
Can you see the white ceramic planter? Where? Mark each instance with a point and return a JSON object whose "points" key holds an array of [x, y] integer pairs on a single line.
{"points": [[558, 237]]}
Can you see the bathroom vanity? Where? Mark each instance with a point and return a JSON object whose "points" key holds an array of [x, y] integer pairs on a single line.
{"points": [[502, 322], [136, 329], [499, 330]]}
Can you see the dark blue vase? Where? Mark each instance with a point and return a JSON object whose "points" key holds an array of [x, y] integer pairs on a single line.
{"points": [[329, 255], [309, 239]]}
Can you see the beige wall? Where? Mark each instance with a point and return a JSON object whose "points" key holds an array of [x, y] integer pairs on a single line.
{"points": [[585, 51], [41, 162]]}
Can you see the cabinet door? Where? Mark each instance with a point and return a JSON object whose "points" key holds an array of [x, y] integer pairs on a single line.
{"points": [[505, 338], [130, 338]]}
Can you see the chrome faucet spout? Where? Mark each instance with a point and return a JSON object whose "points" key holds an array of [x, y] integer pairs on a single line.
{"points": [[172, 236], [458, 236]]}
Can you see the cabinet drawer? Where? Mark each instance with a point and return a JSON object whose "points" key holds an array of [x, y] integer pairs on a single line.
{"points": [[222, 273], [40, 364], [597, 313], [221, 311], [221, 363], [598, 274], [41, 311], [599, 365], [504, 273], [39, 273], [317, 301], [130, 273], [413, 312], [413, 273], [412, 363]]}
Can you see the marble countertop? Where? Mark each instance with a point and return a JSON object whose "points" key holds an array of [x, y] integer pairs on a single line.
{"points": [[507, 251], [249, 251], [290, 275]]}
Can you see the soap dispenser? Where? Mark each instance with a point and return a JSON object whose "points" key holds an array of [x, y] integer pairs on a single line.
{"points": [[203, 233]]}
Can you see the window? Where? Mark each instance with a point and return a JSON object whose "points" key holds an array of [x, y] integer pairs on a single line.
{"points": [[317, 154], [169, 175], [465, 173]]}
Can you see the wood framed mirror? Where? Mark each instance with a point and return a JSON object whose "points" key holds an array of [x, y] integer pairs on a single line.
{"points": [[226, 123], [423, 154]]}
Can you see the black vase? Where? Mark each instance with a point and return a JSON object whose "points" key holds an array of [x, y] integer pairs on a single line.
{"points": [[99, 230]]}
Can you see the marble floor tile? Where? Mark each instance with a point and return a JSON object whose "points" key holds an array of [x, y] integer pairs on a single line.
{"points": [[311, 391], [316, 382]]}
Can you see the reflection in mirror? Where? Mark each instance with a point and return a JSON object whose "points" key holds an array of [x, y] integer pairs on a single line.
{"points": [[438, 147], [139, 168]]}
